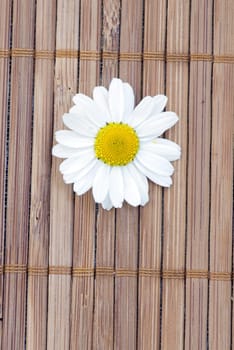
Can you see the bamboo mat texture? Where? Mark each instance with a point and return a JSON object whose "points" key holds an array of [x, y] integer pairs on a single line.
{"points": [[72, 275]]}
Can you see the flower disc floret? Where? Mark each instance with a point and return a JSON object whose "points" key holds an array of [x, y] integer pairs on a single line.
{"points": [[116, 144]]}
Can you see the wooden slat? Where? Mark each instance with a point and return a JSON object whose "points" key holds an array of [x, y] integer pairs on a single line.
{"points": [[84, 226], [125, 332], [198, 175], [221, 177], [175, 197], [61, 204], [40, 181], [4, 74], [104, 284], [16, 245], [151, 215], [1, 333]]}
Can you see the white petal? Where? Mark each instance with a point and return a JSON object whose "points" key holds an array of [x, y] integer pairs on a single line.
{"points": [[85, 170], [141, 181], [84, 183], [116, 100], [81, 97], [164, 181], [167, 151], [70, 178], [77, 163], [106, 204], [129, 100], [131, 191], [101, 183], [81, 124], [82, 186], [166, 142], [155, 163], [61, 151], [116, 187], [100, 96], [157, 125], [77, 175], [142, 111], [71, 139], [90, 108], [76, 110], [160, 102]]}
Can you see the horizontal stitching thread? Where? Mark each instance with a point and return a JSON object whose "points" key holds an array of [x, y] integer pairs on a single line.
{"points": [[110, 271], [108, 55]]}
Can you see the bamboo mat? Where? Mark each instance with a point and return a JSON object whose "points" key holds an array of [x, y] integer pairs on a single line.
{"points": [[72, 275]]}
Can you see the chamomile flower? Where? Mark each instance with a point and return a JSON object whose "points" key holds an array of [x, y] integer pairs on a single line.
{"points": [[112, 147]]}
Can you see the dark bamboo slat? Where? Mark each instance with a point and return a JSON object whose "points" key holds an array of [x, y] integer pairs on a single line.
{"points": [[4, 90], [19, 171]]}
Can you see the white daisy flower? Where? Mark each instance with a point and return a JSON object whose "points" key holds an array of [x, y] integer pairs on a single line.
{"points": [[113, 147]]}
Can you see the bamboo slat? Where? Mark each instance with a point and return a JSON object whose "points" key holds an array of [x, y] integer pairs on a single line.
{"points": [[4, 74], [221, 178], [151, 215], [125, 330], [198, 176], [174, 220], [105, 241], [61, 203], [40, 181], [84, 225], [18, 196]]}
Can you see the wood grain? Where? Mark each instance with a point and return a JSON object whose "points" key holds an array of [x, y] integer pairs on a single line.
{"points": [[151, 215], [198, 175], [19, 169], [61, 202], [105, 240], [84, 225], [174, 215], [5, 31], [40, 181], [221, 178]]}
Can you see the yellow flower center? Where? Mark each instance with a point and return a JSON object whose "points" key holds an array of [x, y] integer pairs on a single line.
{"points": [[116, 144]]}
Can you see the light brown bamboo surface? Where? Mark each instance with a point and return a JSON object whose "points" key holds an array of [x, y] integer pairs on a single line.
{"points": [[199, 128], [174, 203], [150, 230], [221, 181], [40, 178], [72, 275], [83, 300], [62, 202]]}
